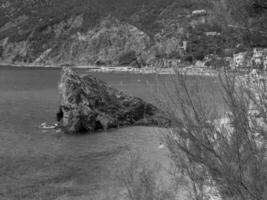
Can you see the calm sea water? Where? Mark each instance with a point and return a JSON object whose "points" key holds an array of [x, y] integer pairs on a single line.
{"points": [[86, 165]]}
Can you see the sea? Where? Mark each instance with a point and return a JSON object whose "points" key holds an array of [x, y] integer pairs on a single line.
{"points": [[37, 162]]}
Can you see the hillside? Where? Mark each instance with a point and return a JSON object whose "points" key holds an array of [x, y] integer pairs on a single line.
{"points": [[91, 31]]}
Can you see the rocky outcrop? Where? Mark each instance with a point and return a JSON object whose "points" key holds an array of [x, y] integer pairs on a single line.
{"points": [[88, 104]]}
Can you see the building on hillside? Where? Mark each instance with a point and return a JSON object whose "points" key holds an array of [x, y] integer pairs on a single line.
{"points": [[259, 56], [198, 17], [199, 12], [265, 63], [212, 34], [239, 60], [253, 59], [185, 44]]}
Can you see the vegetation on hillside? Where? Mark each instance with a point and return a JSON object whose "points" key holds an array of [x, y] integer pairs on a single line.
{"points": [[40, 31]]}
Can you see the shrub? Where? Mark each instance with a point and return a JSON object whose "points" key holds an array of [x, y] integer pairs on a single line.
{"points": [[217, 63], [127, 58], [174, 55], [226, 156], [188, 58], [200, 56], [1, 51]]}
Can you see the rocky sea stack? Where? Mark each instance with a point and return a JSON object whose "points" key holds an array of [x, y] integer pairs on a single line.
{"points": [[88, 105]]}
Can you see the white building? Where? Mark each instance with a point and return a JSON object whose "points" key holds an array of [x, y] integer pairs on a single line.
{"points": [[198, 17], [239, 60], [212, 34], [265, 62], [185, 44], [259, 56], [199, 12]]}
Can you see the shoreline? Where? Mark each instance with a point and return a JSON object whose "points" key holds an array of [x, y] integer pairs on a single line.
{"points": [[190, 70]]}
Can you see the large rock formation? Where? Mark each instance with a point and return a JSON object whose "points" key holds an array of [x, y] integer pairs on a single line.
{"points": [[88, 104]]}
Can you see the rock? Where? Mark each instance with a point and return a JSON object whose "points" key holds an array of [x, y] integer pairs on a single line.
{"points": [[88, 104]]}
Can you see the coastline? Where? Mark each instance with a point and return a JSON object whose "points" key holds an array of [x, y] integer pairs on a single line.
{"points": [[189, 70]]}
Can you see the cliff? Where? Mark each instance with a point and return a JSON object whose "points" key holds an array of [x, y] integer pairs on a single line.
{"points": [[84, 32], [73, 31]]}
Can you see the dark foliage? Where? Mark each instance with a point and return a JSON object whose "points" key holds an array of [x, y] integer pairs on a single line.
{"points": [[127, 58]]}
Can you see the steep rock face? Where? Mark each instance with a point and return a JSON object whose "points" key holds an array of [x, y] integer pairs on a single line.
{"points": [[88, 104], [63, 42], [104, 44], [78, 32]]}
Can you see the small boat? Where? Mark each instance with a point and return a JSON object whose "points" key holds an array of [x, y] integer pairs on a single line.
{"points": [[46, 126]]}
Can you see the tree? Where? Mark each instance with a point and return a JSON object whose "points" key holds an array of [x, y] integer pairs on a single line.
{"points": [[246, 18], [229, 154]]}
